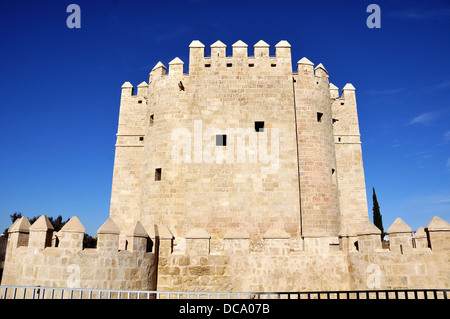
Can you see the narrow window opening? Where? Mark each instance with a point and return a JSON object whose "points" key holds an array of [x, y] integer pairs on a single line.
{"points": [[151, 119], [332, 171], [229, 65], [339, 139], [251, 65], [319, 117], [335, 120], [259, 126], [273, 65], [221, 140], [157, 174], [141, 138], [207, 65], [140, 101]]}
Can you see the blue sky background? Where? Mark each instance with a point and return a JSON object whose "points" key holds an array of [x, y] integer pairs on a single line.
{"points": [[60, 91]]}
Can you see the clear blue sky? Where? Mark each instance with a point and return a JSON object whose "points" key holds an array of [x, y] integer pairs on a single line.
{"points": [[60, 90]]}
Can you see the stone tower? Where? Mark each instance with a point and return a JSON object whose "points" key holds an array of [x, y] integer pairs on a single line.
{"points": [[240, 142], [238, 176]]}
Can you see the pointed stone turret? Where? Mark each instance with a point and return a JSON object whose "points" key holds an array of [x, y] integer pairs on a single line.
{"points": [[400, 236], [348, 87], [261, 44], [368, 228], [438, 224], [109, 227], [73, 226], [348, 92], [399, 226], [163, 237], [196, 44], [196, 56], [18, 233], [305, 67], [159, 69], [283, 49], [369, 238], [176, 67], [261, 49], [420, 238], [438, 231], [320, 70], [218, 50], [21, 224], [108, 237], [127, 89], [304, 61], [142, 89], [218, 44], [41, 233], [334, 91], [138, 238], [72, 234], [240, 49]]}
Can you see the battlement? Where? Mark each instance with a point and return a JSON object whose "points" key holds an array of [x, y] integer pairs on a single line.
{"points": [[199, 262], [37, 255], [366, 239], [41, 235], [231, 263]]}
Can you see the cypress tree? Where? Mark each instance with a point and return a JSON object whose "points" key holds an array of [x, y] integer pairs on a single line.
{"points": [[377, 219]]}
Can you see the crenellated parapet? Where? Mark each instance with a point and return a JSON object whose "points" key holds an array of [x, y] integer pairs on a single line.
{"points": [[363, 240], [33, 258], [278, 263], [238, 62]]}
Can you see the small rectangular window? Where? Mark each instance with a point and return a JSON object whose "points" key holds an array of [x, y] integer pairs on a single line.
{"points": [[151, 119], [207, 65], [140, 101], [157, 174], [319, 117], [259, 126], [251, 65], [221, 140], [339, 139], [273, 65], [229, 65], [141, 138]]}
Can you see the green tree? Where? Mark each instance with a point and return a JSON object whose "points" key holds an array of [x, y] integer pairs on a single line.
{"points": [[377, 219]]}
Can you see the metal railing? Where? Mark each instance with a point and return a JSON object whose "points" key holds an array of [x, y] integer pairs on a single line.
{"points": [[37, 292]]}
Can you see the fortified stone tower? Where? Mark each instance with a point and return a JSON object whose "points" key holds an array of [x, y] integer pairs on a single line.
{"points": [[290, 157], [238, 176]]}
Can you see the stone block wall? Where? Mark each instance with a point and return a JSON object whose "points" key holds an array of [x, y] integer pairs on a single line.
{"points": [[34, 263], [311, 264], [153, 262]]}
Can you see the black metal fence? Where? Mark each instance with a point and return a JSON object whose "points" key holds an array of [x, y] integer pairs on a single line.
{"points": [[24, 292]]}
